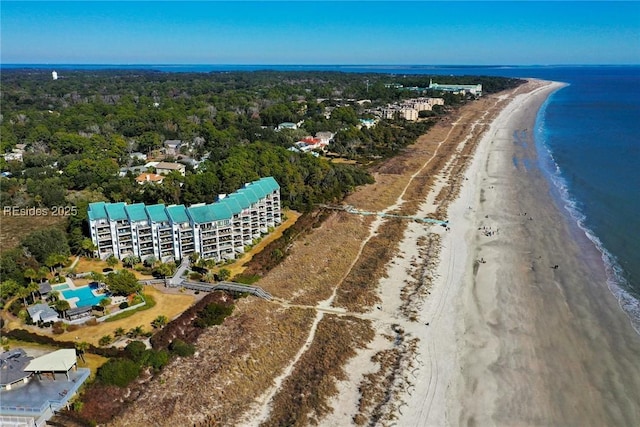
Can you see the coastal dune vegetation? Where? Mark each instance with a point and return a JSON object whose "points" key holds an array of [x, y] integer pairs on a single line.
{"points": [[79, 133]]}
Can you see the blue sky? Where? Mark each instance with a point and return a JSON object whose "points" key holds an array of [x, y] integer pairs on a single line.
{"points": [[304, 32]]}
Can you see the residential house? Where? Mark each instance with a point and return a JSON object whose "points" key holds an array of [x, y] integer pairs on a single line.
{"points": [[149, 178], [165, 168], [172, 147], [42, 313]]}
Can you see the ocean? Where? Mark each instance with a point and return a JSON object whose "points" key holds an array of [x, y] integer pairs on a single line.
{"points": [[588, 135]]}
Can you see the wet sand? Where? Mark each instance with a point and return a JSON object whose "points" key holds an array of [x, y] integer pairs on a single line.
{"points": [[534, 344]]}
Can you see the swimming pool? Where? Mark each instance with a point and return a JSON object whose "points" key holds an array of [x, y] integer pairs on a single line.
{"points": [[61, 287], [84, 295]]}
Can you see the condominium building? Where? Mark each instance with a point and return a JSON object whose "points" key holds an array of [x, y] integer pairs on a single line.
{"points": [[217, 231]]}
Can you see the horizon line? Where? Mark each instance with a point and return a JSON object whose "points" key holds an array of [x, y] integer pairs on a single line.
{"points": [[176, 64]]}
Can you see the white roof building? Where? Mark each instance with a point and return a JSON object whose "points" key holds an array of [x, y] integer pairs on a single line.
{"points": [[57, 361]]}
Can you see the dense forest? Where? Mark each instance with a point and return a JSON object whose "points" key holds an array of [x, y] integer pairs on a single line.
{"points": [[80, 130]]}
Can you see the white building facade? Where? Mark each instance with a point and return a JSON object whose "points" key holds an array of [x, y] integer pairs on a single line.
{"points": [[217, 231]]}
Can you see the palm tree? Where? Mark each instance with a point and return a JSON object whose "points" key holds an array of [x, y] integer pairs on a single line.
{"points": [[87, 247], [33, 288], [150, 261], [43, 272], [105, 341], [130, 261], [62, 306], [81, 347], [135, 332], [119, 332], [112, 261], [23, 293], [30, 274], [54, 295], [159, 322], [97, 277]]}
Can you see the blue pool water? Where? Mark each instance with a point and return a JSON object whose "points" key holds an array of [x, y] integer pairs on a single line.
{"points": [[86, 297]]}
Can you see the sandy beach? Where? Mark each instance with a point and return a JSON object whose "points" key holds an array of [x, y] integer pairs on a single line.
{"points": [[512, 340]]}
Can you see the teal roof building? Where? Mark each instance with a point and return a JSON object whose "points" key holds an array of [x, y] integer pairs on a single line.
{"points": [[217, 230]]}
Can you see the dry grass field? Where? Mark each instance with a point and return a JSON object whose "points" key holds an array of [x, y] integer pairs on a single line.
{"points": [[14, 228]]}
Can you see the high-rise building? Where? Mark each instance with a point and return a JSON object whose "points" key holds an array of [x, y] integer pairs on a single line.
{"points": [[217, 231]]}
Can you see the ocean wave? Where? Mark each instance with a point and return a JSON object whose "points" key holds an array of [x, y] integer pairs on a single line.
{"points": [[616, 281]]}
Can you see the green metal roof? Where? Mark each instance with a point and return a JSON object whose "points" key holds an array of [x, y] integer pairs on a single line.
{"points": [[233, 204], [223, 209], [252, 195], [157, 213], [136, 212], [269, 184], [209, 213], [97, 211], [178, 213], [241, 199], [116, 211]]}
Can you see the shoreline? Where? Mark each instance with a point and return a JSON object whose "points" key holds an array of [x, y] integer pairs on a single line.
{"points": [[518, 338], [503, 338]]}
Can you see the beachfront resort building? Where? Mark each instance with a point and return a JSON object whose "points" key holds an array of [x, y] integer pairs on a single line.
{"points": [[475, 90], [216, 231]]}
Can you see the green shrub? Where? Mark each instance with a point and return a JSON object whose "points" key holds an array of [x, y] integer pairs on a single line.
{"points": [[118, 372], [181, 348], [135, 351], [123, 305], [157, 359], [212, 314]]}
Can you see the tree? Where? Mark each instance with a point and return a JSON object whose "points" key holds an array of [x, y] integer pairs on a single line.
{"points": [[81, 348], [30, 274], [33, 288], [181, 348], [97, 277], [62, 306], [54, 295], [55, 260], [9, 288], [130, 260], [43, 243], [112, 261], [105, 341], [150, 261], [119, 332], [164, 270], [88, 247], [135, 332], [43, 273], [159, 322], [23, 293], [123, 282], [105, 302]]}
